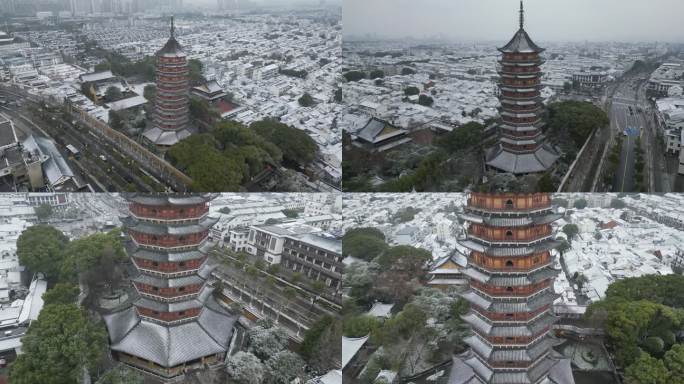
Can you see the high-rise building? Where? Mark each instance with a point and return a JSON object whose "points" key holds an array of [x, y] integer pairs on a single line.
{"points": [[171, 106], [174, 324], [510, 273], [522, 148]]}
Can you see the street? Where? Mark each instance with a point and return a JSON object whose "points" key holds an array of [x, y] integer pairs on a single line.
{"points": [[633, 117], [100, 164]]}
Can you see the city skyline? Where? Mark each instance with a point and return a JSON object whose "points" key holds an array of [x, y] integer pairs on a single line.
{"points": [[491, 20]]}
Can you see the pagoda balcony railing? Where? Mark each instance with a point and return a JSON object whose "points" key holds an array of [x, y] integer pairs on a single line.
{"points": [[512, 291], [168, 322], [509, 202], [513, 70], [179, 81], [162, 89], [172, 117], [512, 269], [173, 70], [171, 222], [521, 121], [505, 346], [517, 341], [516, 317], [512, 299], [171, 107], [512, 364], [173, 123], [179, 92], [167, 298], [170, 127], [174, 274], [169, 110], [172, 99], [520, 109], [505, 212], [517, 135], [512, 236], [521, 148], [520, 95], [190, 212], [508, 322], [519, 83], [536, 89], [178, 247], [175, 96], [171, 60], [535, 60]]}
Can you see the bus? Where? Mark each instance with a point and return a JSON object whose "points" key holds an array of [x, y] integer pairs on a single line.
{"points": [[73, 151]]}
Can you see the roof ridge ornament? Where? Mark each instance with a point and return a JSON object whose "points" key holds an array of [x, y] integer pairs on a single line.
{"points": [[522, 15]]}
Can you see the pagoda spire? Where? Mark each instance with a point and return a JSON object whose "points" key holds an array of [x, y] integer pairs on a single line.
{"points": [[522, 15], [173, 28]]}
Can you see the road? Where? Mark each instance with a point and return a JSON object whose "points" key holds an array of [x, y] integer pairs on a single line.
{"points": [[627, 110], [660, 172], [101, 164]]}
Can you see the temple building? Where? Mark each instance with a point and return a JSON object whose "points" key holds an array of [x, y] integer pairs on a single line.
{"points": [[510, 273], [172, 104], [174, 324], [522, 148]]}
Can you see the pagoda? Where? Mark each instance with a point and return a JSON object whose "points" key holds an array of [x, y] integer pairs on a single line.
{"points": [[174, 323], [522, 148], [171, 105], [510, 290]]}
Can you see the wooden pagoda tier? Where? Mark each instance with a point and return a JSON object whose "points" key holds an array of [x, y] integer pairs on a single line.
{"points": [[510, 277], [522, 146], [171, 114], [168, 245]]}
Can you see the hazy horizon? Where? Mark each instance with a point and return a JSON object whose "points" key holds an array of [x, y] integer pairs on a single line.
{"points": [[490, 20]]}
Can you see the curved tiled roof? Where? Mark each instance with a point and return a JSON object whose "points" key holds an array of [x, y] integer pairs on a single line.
{"points": [[521, 43], [169, 346]]}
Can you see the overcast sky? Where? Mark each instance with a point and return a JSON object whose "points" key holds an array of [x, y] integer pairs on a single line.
{"points": [[545, 20]]}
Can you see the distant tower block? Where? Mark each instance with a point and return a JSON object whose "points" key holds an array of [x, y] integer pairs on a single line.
{"points": [[171, 106], [510, 274], [521, 148], [175, 324]]}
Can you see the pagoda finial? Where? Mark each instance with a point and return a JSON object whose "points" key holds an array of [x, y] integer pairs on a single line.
{"points": [[173, 28], [522, 15]]}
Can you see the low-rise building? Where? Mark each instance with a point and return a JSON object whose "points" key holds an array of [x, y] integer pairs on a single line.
{"points": [[301, 248], [591, 79], [379, 136]]}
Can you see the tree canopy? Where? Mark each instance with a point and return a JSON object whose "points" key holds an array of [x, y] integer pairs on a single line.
{"points": [[306, 100], [284, 367], [410, 91], [95, 259], [58, 345], [354, 75], [468, 136], [363, 243], [571, 230], [425, 100], [62, 293], [43, 211], [40, 249], [321, 347], [580, 204], [576, 120], [642, 316], [245, 368], [295, 144], [231, 154]]}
